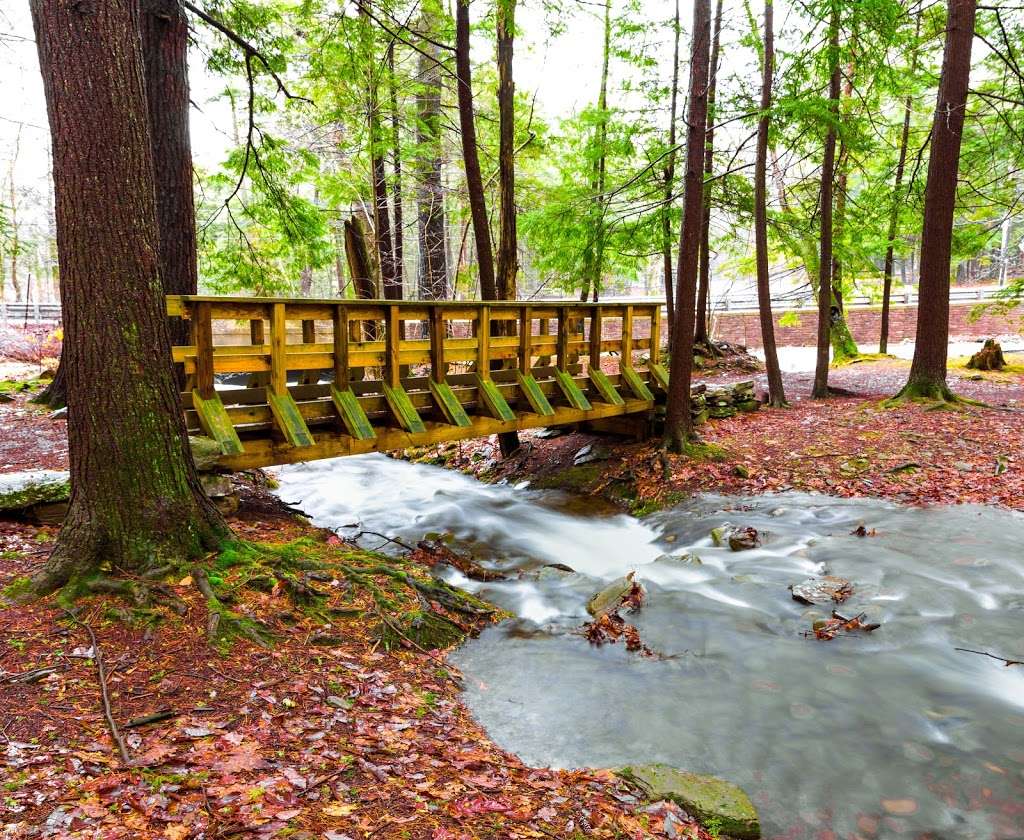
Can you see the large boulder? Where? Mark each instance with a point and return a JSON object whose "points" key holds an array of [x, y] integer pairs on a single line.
{"points": [[22, 490], [711, 800]]}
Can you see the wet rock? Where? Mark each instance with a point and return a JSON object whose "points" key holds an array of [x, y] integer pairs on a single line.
{"points": [[205, 451], [682, 559], [59, 414], [551, 432], [22, 490], [589, 454], [707, 798], [611, 596], [553, 571], [5, 397], [738, 539], [825, 590], [216, 485]]}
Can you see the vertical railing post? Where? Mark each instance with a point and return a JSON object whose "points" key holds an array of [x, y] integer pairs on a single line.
{"points": [[203, 326], [339, 316], [525, 339], [278, 340], [527, 384], [309, 377], [483, 342], [438, 367], [626, 351], [595, 338], [655, 354], [392, 340], [257, 338], [562, 343]]}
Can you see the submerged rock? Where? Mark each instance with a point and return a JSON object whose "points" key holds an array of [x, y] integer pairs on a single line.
{"points": [[738, 539], [707, 798], [611, 596], [825, 590], [22, 490], [682, 559]]}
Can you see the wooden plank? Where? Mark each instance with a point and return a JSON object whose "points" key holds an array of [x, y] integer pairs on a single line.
{"points": [[278, 338], [483, 342], [571, 391], [626, 350], [596, 324], [526, 339], [352, 415], [534, 395], [449, 404], [655, 351], [562, 351], [214, 420], [603, 387], [402, 408], [438, 368], [392, 340], [637, 387], [203, 336], [339, 323], [288, 419], [493, 400], [659, 376]]}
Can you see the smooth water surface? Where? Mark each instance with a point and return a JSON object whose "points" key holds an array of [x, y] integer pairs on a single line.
{"points": [[890, 734]]}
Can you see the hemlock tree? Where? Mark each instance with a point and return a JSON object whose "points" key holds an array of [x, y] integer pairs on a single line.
{"points": [[927, 377], [678, 422], [776, 395], [136, 502]]}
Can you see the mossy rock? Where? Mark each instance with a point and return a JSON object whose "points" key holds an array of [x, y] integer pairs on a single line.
{"points": [[576, 478], [205, 451], [22, 490], [611, 596], [708, 798]]}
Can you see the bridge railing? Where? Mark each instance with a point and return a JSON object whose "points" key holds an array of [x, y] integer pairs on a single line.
{"points": [[325, 377]]}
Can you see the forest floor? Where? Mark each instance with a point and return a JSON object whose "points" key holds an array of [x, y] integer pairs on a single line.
{"points": [[351, 740]]}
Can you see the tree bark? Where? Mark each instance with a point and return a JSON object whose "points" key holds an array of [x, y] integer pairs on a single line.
{"points": [[894, 213], [928, 369], [470, 157], [433, 273], [508, 249], [776, 394], [381, 216], [700, 335], [136, 501], [820, 390], [396, 169], [678, 422], [670, 178]]}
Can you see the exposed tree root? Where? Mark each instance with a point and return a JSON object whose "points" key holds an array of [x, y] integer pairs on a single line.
{"points": [[933, 395]]}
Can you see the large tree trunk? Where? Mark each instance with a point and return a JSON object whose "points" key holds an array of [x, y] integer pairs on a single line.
{"points": [[700, 334], [670, 182], [776, 394], [433, 273], [136, 501], [844, 346], [897, 200], [928, 370], [508, 249], [396, 168], [376, 147], [820, 390], [678, 422], [470, 157]]}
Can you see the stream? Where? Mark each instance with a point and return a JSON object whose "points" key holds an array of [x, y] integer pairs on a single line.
{"points": [[889, 734]]}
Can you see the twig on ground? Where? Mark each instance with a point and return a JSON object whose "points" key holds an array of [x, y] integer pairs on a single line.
{"points": [[104, 696], [384, 537]]}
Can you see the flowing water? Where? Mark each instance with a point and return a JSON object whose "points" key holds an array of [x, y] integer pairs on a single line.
{"points": [[890, 734]]}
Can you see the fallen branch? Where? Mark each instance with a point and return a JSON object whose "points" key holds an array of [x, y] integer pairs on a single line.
{"points": [[1006, 662], [104, 696]]}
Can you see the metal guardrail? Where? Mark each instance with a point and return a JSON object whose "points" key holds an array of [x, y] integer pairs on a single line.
{"points": [[29, 313]]}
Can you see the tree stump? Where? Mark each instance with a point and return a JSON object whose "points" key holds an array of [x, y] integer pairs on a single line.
{"points": [[989, 357]]}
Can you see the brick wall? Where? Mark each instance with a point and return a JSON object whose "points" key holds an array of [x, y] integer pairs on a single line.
{"points": [[865, 322]]}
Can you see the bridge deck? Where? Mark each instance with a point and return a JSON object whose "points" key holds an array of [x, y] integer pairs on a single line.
{"points": [[366, 375]]}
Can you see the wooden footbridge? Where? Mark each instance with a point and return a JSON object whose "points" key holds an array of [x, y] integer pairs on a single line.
{"points": [[323, 378]]}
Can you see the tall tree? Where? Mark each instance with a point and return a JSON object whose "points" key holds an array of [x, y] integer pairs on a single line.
{"points": [[820, 389], [136, 502], [704, 282], [776, 394], [433, 273], [376, 142], [897, 202], [593, 260], [927, 377], [670, 179], [396, 168], [470, 155], [678, 422], [508, 248]]}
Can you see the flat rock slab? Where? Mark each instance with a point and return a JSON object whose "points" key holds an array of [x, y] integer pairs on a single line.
{"points": [[707, 798], [22, 490], [611, 596], [825, 590]]}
